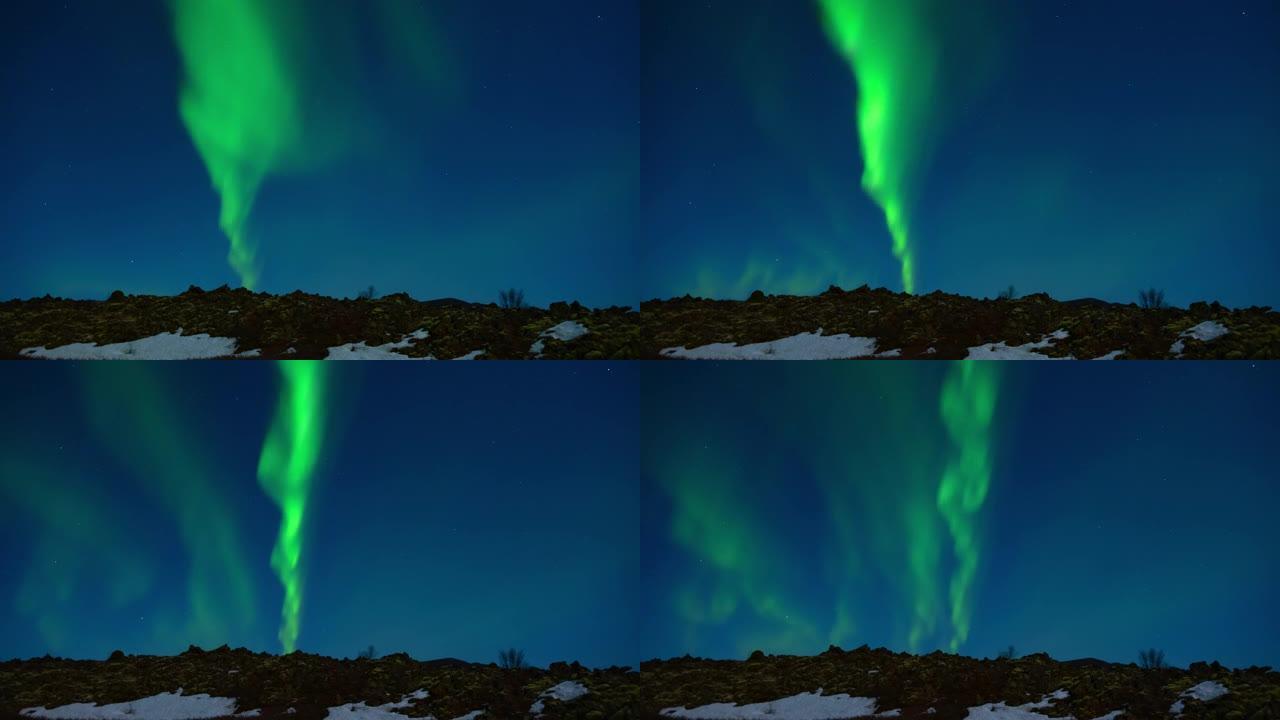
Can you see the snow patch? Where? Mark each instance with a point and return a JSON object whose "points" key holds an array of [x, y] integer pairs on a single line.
{"points": [[1002, 351], [805, 706], [363, 351], [471, 715], [362, 711], [471, 355], [1204, 332], [564, 692], [165, 706], [1111, 355], [805, 346], [165, 346], [564, 332], [1001, 711], [1204, 692]]}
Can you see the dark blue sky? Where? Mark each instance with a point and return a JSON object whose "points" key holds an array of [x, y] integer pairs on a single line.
{"points": [[1128, 507], [1082, 148], [517, 169], [456, 512]]}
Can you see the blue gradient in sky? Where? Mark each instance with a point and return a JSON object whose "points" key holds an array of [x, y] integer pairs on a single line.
{"points": [[1085, 148], [457, 512], [524, 177], [1130, 507]]}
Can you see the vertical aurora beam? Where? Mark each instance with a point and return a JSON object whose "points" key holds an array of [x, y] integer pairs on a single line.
{"points": [[967, 405], [285, 472], [894, 64], [239, 103]]}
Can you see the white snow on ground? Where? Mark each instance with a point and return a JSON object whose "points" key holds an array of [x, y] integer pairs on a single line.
{"points": [[564, 332], [1204, 692], [165, 346], [165, 706], [386, 351], [1001, 711], [362, 711], [471, 715], [805, 706], [1204, 332], [1111, 355], [1002, 351], [564, 692], [471, 355], [805, 346], [250, 713]]}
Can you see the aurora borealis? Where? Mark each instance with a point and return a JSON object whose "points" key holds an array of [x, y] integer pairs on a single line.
{"points": [[286, 470], [429, 154], [963, 508], [444, 149], [1081, 149], [611, 513], [612, 152], [895, 63], [134, 518]]}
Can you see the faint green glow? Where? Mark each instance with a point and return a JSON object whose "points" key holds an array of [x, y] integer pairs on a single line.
{"points": [[738, 570], [894, 63], [134, 411], [774, 277], [880, 502], [285, 471], [900, 458], [81, 543], [968, 402]]}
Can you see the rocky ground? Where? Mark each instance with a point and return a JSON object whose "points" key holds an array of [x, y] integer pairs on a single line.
{"points": [[935, 326], [951, 685], [943, 327], [937, 686], [311, 684], [299, 325]]}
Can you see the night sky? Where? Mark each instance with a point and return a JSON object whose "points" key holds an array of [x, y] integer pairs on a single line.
{"points": [[451, 148], [1117, 509], [615, 151], [1082, 148], [454, 513]]}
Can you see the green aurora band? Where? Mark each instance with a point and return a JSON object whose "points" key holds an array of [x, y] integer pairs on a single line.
{"points": [[285, 471], [967, 406], [899, 518], [894, 63], [240, 104], [82, 543], [132, 410], [276, 86]]}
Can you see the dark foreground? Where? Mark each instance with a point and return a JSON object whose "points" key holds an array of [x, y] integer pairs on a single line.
{"points": [[303, 687], [939, 326], [948, 687], [303, 326], [837, 324], [935, 686]]}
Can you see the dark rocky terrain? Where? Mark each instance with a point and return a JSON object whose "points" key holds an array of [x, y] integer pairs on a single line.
{"points": [[936, 326], [936, 686], [310, 684], [310, 324], [950, 324], [951, 684]]}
